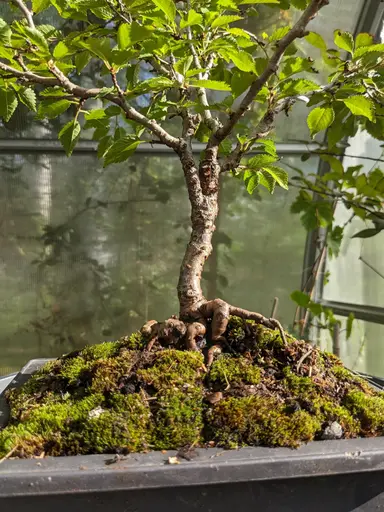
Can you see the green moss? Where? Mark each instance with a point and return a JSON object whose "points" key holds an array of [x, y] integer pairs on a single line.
{"points": [[178, 418], [259, 420], [228, 370], [173, 368], [297, 384], [102, 350], [368, 409], [116, 397], [135, 341]]}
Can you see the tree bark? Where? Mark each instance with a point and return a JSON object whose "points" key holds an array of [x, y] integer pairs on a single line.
{"points": [[203, 197]]}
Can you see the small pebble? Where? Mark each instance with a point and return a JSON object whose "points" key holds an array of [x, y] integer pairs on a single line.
{"points": [[333, 431]]}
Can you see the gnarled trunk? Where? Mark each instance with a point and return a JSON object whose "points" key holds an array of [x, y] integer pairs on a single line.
{"points": [[204, 211]]}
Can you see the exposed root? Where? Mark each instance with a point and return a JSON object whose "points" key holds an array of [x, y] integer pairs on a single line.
{"points": [[191, 332]]}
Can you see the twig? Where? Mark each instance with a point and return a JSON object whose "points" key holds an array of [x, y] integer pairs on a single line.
{"points": [[303, 358], [274, 307], [9, 454], [27, 13]]}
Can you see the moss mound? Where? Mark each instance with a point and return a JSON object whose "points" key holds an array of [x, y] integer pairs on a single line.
{"points": [[118, 398]]}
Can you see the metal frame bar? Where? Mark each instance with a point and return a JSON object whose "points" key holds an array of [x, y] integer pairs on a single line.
{"points": [[372, 314], [85, 146]]}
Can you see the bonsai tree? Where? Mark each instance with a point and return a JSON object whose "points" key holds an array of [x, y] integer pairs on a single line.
{"points": [[207, 79], [191, 48]]}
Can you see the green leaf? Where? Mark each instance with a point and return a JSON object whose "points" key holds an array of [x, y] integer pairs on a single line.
{"points": [[61, 50], [121, 150], [168, 7], [5, 32], [81, 60], [279, 33], [379, 48], [320, 118], [344, 40], [258, 2], [251, 179], [334, 163], [316, 40], [260, 161], [300, 4], [130, 33], [267, 181], [360, 106], [69, 136], [225, 20], [8, 103], [28, 97], [37, 38], [40, 5], [367, 233], [301, 298], [298, 86], [335, 237], [279, 175], [192, 19], [49, 109], [315, 308], [243, 60], [210, 84], [363, 39], [349, 326], [157, 84]]}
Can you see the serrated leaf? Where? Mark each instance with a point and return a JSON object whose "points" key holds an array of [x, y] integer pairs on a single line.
{"points": [[258, 2], [40, 5], [225, 20], [301, 298], [360, 106], [363, 39], [344, 40], [300, 4], [320, 119], [69, 135], [259, 161], [130, 33], [49, 109], [279, 33], [168, 7], [182, 65], [61, 50], [5, 32], [28, 97], [37, 38], [192, 19], [315, 308], [251, 180], [278, 174], [121, 150], [243, 60], [81, 60], [153, 85], [215, 85], [379, 48], [103, 146], [8, 103], [367, 233], [349, 326], [267, 181], [298, 86], [316, 40]]}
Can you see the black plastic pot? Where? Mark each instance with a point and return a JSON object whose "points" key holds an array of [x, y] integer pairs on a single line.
{"points": [[329, 476]]}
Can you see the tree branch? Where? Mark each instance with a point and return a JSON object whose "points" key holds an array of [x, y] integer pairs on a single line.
{"points": [[83, 93], [27, 13], [210, 121], [296, 32]]}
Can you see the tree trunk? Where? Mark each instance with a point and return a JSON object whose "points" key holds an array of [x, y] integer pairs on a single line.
{"points": [[204, 211]]}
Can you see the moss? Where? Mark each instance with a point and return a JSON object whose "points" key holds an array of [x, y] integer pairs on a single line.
{"points": [[228, 370], [172, 368], [116, 397], [259, 420], [178, 418], [297, 384], [368, 409], [135, 341], [102, 350]]}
